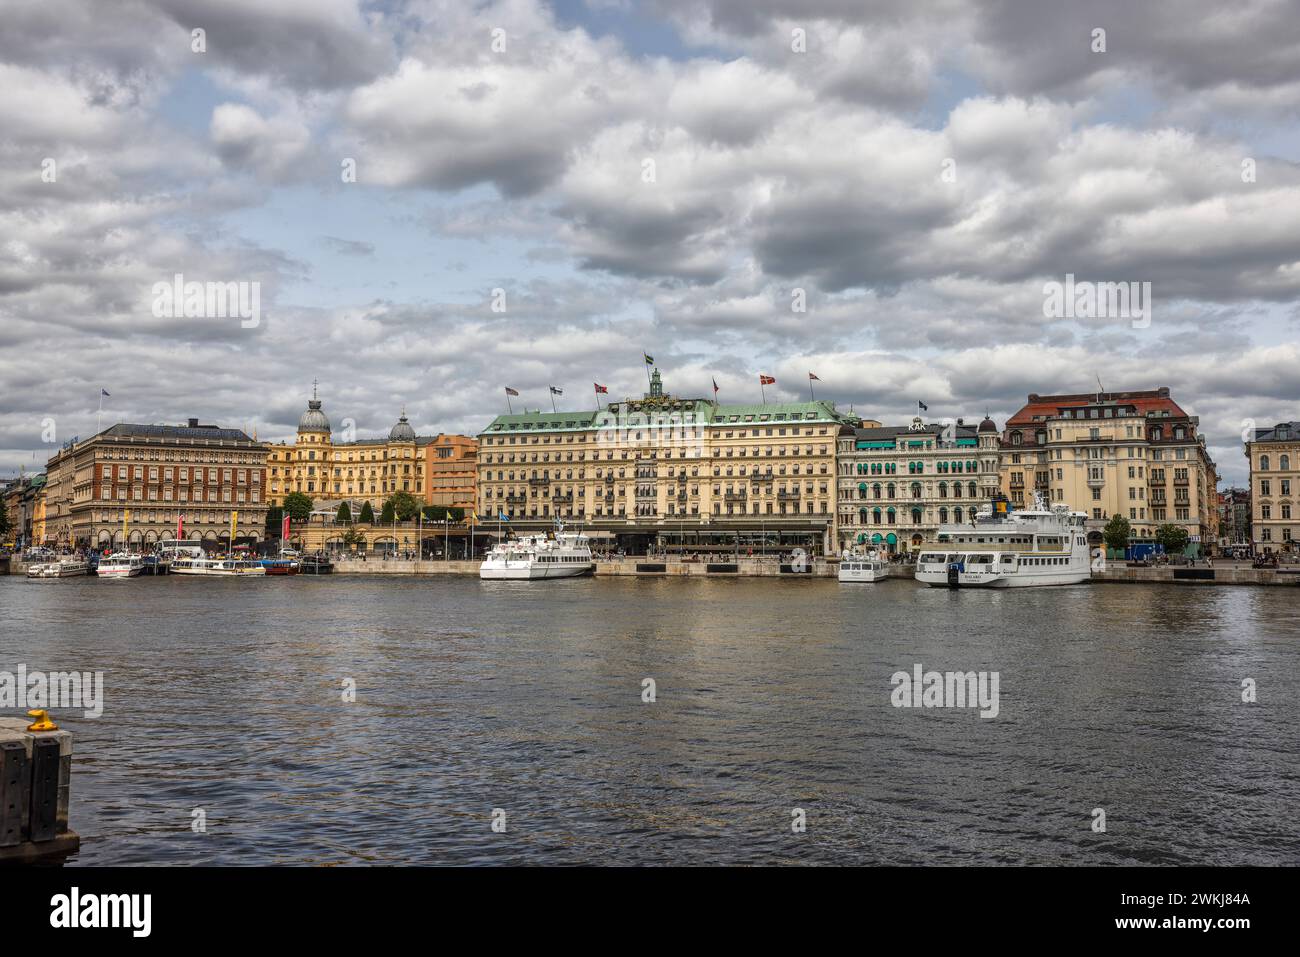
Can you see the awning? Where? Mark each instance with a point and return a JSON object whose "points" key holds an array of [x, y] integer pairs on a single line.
{"points": [[876, 539], [862, 487], [891, 539], [862, 537]]}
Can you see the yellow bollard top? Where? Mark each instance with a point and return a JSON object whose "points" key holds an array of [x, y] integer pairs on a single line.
{"points": [[42, 722]]}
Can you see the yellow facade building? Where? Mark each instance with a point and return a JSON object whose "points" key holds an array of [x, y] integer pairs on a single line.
{"points": [[672, 473], [1274, 455], [1136, 454]]}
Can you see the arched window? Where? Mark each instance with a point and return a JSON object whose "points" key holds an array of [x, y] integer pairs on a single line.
{"points": [[972, 491], [956, 514], [891, 515], [889, 489], [916, 516], [875, 490], [1016, 438], [1263, 463], [1284, 463], [862, 490], [862, 514], [916, 490], [943, 489], [943, 516], [875, 515]]}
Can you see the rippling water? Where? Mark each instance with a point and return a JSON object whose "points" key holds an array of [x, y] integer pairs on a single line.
{"points": [[772, 695]]}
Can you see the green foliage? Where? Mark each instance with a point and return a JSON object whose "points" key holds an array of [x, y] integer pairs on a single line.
{"points": [[1172, 538], [388, 514], [352, 537], [298, 506], [274, 516], [405, 506], [435, 513], [367, 514], [1116, 533], [344, 516]]}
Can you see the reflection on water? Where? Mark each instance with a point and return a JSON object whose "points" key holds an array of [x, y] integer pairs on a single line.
{"points": [[771, 695]]}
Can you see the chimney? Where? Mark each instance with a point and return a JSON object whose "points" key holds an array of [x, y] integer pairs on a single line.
{"points": [[194, 423]]}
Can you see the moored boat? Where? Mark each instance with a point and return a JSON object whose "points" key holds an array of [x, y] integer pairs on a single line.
{"points": [[566, 555], [225, 567], [1003, 548], [120, 565], [867, 566]]}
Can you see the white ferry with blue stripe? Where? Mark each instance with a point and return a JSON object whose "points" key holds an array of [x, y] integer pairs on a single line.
{"points": [[1003, 548]]}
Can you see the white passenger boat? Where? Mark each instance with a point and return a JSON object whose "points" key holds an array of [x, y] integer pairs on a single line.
{"points": [[63, 568], [227, 567], [1003, 548], [566, 555], [856, 566], [120, 565]]}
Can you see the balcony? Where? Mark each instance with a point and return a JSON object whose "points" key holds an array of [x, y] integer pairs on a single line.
{"points": [[788, 496], [762, 477], [609, 479], [516, 499], [735, 496], [539, 481]]}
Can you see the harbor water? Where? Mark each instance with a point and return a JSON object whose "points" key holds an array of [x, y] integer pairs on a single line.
{"points": [[228, 734]]}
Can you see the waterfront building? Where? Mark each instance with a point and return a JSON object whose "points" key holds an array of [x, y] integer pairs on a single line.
{"points": [[1274, 455], [662, 471], [898, 484], [23, 500], [157, 473], [322, 466], [1234, 518], [1137, 454]]}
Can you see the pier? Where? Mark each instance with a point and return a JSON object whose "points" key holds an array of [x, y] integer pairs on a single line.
{"points": [[35, 784]]}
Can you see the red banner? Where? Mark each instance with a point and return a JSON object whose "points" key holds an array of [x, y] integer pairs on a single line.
{"points": [[284, 529]]}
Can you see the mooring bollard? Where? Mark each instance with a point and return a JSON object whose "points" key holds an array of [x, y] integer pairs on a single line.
{"points": [[35, 784]]}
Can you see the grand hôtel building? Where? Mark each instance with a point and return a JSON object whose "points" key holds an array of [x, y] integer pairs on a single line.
{"points": [[436, 469], [1136, 454], [130, 483], [1274, 455], [668, 472]]}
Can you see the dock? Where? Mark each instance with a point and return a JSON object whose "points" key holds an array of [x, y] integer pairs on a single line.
{"points": [[35, 785]]}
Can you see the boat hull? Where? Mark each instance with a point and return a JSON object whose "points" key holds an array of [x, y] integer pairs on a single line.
{"points": [[258, 572], [995, 580], [532, 571], [862, 576]]}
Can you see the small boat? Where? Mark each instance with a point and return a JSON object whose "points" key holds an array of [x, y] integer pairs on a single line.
{"points": [[227, 567], [286, 564], [120, 565], [316, 565], [532, 557], [867, 566]]}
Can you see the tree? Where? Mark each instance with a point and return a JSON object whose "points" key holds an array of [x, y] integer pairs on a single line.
{"points": [[344, 517], [1172, 538], [274, 520], [456, 514], [1117, 532], [367, 515], [351, 538], [4, 520], [435, 513], [388, 514], [405, 505], [298, 506]]}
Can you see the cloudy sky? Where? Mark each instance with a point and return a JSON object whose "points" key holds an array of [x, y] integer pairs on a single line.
{"points": [[657, 175]]}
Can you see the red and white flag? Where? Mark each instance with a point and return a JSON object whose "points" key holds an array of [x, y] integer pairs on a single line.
{"points": [[814, 375], [180, 526], [766, 379], [600, 388], [510, 391]]}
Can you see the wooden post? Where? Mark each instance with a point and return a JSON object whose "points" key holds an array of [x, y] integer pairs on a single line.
{"points": [[35, 785]]}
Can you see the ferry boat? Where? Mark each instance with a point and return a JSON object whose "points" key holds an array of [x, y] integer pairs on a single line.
{"points": [[1003, 548], [62, 568], [227, 567], [867, 566], [120, 565], [287, 564], [566, 555]]}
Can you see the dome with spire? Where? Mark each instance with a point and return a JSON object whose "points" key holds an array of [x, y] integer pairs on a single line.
{"points": [[988, 425], [313, 420], [402, 431]]}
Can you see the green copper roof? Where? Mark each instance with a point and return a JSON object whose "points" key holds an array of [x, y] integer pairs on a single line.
{"points": [[698, 410], [783, 412]]}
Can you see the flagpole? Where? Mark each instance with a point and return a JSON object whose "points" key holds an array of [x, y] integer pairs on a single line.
{"points": [[99, 419], [509, 410], [648, 364], [552, 400], [811, 394], [763, 389]]}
